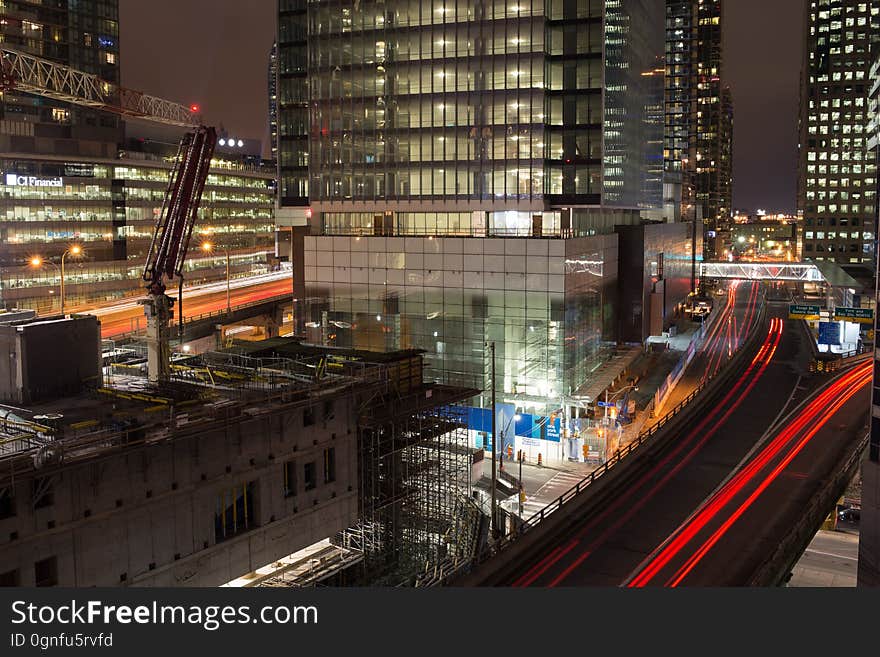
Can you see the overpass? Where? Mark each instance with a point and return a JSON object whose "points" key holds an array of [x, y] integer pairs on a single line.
{"points": [[821, 272]]}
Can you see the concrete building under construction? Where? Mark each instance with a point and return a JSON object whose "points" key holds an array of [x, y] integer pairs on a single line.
{"points": [[241, 458]]}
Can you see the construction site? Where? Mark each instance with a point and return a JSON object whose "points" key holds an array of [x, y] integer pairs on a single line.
{"points": [[237, 460]]}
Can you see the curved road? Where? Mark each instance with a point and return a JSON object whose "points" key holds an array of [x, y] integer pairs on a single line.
{"points": [[605, 549], [728, 538]]}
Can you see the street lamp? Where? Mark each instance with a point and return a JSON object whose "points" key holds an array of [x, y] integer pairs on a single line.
{"points": [[74, 250], [632, 386], [208, 247]]}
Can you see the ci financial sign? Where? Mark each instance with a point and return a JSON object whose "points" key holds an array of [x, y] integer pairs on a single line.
{"points": [[16, 180]]}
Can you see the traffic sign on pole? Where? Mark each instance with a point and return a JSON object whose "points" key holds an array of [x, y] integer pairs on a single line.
{"points": [[857, 315], [801, 311], [829, 333]]}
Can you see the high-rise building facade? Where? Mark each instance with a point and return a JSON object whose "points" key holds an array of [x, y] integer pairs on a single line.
{"points": [[679, 106], [83, 35], [68, 177], [477, 106], [293, 107], [699, 116], [108, 207], [273, 100], [837, 181], [869, 531], [467, 163]]}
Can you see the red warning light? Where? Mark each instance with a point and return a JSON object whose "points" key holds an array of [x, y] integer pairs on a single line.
{"points": [[194, 108]]}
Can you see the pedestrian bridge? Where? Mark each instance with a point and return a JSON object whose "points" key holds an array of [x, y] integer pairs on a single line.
{"points": [[821, 272]]}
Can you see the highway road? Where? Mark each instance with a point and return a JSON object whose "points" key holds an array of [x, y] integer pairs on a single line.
{"points": [[734, 311], [127, 316], [728, 538], [606, 548]]}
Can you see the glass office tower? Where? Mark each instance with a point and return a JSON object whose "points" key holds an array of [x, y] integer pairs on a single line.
{"points": [[837, 182], [869, 531], [83, 35], [468, 161], [699, 116]]}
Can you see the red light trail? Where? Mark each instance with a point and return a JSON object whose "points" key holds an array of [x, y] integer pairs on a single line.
{"points": [[820, 410], [695, 439]]}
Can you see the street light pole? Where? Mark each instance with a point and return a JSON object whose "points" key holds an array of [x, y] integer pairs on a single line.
{"points": [[209, 247], [520, 492], [228, 302], [62, 282], [37, 261], [494, 523]]}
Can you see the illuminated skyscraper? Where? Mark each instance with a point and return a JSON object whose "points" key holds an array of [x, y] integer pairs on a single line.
{"points": [[869, 531], [468, 163], [83, 35], [699, 115], [837, 181], [273, 99]]}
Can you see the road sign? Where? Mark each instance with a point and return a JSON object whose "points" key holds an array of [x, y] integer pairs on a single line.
{"points": [[801, 311], [602, 404], [829, 333], [858, 315]]}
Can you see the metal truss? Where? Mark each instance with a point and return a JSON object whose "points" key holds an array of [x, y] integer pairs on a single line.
{"points": [[763, 271], [30, 74]]}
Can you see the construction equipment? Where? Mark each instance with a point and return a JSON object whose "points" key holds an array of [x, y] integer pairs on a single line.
{"points": [[20, 71], [27, 73], [170, 241]]}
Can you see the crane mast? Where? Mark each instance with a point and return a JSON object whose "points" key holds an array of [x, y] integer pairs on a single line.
{"points": [[170, 242]]}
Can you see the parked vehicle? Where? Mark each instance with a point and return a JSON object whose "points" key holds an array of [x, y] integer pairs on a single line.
{"points": [[850, 515]]}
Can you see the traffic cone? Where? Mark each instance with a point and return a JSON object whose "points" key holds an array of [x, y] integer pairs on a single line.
{"points": [[539, 460]]}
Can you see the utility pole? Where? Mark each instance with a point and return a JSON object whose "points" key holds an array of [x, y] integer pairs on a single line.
{"points": [[694, 257], [494, 524], [228, 296]]}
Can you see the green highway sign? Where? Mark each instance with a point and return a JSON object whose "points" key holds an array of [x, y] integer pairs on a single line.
{"points": [[858, 315], [800, 311]]}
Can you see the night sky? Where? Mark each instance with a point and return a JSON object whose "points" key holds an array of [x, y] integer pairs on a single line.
{"points": [[216, 53]]}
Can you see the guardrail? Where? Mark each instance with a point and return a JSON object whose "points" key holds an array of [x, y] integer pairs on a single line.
{"points": [[773, 570], [639, 443], [139, 332], [221, 313]]}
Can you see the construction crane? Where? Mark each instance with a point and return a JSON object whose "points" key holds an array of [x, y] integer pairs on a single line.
{"points": [[42, 77], [26, 73]]}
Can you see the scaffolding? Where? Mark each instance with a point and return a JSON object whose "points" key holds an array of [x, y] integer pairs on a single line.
{"points": [[416, 514], [416, 511]]}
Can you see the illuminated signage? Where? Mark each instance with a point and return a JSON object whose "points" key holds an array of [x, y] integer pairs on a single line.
{"points": [[856, 315], [800, 311], [16, 180]]}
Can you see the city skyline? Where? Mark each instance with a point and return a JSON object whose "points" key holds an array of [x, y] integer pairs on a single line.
{"points": [[488, 320], [765, 136]]}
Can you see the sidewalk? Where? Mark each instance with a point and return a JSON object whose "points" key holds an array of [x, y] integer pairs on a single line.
{"points": [[542, 484], [545, 484]]}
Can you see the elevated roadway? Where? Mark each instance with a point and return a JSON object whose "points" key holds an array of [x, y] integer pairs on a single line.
{"points": [[610, 540], [127, 316]]}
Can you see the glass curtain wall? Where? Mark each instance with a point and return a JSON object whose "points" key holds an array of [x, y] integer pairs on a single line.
{"points": [[430, 99]]}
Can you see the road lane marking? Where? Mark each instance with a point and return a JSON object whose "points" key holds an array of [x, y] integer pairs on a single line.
{"points": [[831, 554]]}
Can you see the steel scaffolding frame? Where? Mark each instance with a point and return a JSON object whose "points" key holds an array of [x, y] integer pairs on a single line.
{"points": [[415, 507]]}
